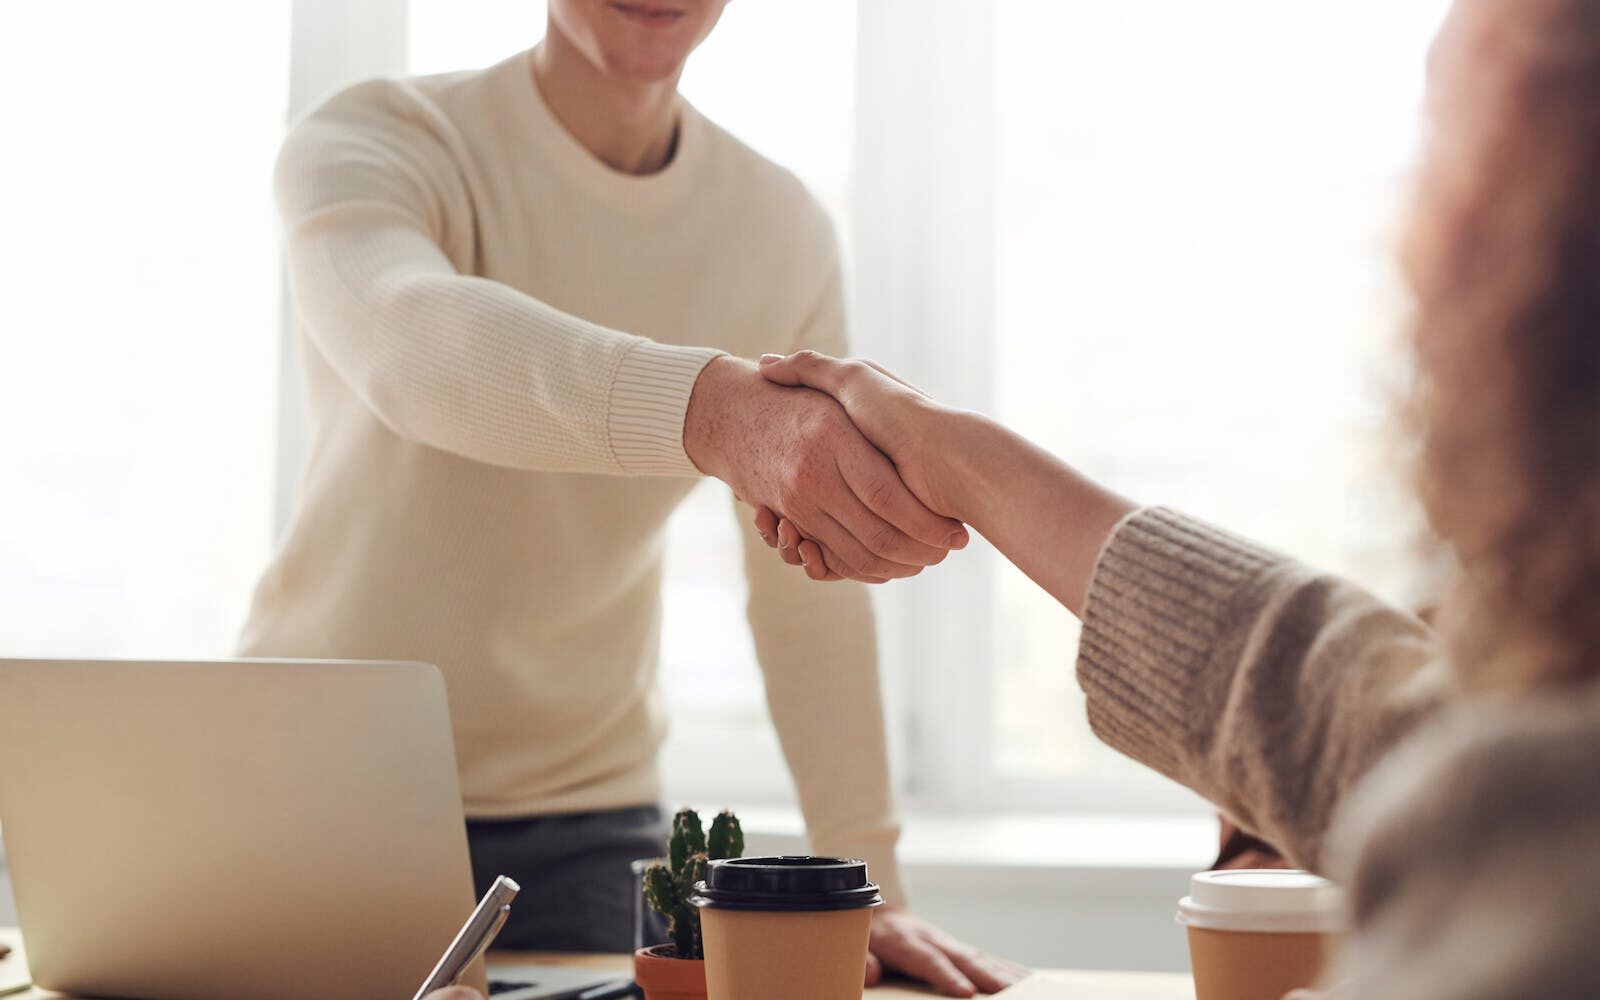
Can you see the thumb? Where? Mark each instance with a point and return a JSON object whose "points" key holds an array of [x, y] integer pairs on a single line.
{"points": [[807, 368], [874, 970]]}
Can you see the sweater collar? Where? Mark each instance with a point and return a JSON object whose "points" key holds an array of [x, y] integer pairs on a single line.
{"points": [[616, 189]]}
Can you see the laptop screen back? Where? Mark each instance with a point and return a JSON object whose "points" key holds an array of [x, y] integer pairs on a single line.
{"points": [[257, 830]]}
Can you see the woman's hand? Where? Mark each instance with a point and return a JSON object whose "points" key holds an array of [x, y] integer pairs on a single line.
{"points": [[1043, 515], [896, 417]]}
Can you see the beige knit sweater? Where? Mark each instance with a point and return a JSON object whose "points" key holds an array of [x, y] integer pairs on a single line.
{"points": [[500, 338], [1472, 851]]}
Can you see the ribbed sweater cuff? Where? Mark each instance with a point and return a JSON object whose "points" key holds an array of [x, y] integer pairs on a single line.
{"points": [[649, 398], [1166, 590]]}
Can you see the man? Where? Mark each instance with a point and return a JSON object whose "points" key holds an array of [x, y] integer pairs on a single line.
{"points": [[490, 474]]}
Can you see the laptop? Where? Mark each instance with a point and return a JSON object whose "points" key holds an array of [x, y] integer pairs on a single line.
{"points": [[249, 830]]}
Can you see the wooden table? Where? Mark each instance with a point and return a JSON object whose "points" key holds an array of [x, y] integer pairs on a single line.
{"points": [[1081, 985]]}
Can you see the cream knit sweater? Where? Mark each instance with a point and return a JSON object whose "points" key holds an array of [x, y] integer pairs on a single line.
{"points": [[490, 475], [1472, 852]]}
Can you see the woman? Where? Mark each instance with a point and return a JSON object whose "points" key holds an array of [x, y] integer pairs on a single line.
{"points": [[1472, 853]]}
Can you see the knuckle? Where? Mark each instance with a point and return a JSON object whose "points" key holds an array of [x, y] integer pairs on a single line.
{"points": [[793, 478], [820, 427], [885, 541], [850, 567], [788, 494], [881, 493], [875, 567]]}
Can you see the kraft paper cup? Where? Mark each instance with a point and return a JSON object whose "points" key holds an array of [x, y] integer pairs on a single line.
{"points": [[1257, 933], [791, 928]]}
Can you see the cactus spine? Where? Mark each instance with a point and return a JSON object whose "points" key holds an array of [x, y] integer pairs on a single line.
{"points": [[668, 886]]}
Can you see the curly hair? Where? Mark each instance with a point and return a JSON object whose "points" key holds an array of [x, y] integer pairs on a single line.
{"points": [[1504, 258]]}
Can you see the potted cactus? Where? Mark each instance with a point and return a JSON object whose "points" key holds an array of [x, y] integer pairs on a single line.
{"points": [[677, 971]]}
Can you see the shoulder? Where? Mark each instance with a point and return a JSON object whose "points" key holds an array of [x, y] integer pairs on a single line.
{"points": [[389, 139], [397, 113], [1488, 815]]}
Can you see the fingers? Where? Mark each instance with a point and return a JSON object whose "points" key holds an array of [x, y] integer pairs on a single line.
{"points": [[454, 993], [797, 550], [767, 526], [815, 563], [988, 973], [845, 496], [811, 555], [789, 542], [845, 554], [808, 368], [819, 371], [886, 373], [882, 539], [918, 959], [907, 945], [875, 482], [874, 970]]}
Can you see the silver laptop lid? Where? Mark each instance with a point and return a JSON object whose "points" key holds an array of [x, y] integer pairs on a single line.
{"points": [[249, 829]]}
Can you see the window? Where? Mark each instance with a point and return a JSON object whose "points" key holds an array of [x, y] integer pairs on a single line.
{"points": [[1194, 293], [140, 277], [1153, 236]]}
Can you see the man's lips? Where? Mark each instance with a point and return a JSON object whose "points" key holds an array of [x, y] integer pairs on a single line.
{"points": [[655, 15]]}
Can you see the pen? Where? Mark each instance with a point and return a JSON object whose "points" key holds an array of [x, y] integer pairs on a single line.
{"points": [[473, 937]]}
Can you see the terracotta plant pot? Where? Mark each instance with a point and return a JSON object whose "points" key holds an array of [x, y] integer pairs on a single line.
{"points": [[665, 977]]}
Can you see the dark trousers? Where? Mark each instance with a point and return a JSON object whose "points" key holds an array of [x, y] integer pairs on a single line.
{"points": [[578, 888]]}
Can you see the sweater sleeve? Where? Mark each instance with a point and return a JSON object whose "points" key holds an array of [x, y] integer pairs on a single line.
{"points": [[370, 193], [1267, 687], [817, 646]]}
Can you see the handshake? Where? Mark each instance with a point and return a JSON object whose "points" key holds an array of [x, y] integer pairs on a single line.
{"points": [[842, 461]]}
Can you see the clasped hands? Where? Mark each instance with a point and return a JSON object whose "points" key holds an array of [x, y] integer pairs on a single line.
{"points": [[833, 455]]}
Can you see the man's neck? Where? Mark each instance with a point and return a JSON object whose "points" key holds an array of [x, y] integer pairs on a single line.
{"points": [[629, 126]]}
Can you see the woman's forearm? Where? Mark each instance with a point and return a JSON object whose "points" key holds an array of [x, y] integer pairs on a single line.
{"points": [[1043, 515]]}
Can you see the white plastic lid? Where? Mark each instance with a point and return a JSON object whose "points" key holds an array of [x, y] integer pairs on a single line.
{"points": [[1268, 900]]}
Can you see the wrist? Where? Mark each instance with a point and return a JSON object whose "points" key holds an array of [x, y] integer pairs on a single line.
{"points": [[713, 412], [962, 444]]}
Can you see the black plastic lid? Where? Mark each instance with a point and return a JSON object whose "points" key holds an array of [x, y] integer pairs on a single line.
{"points": [[787, 884]]}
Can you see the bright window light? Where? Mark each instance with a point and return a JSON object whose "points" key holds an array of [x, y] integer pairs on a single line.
{"points": [[1196, 300], [140, 276]]}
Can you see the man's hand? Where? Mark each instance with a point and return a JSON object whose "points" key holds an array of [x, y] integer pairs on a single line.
{"points": [[902, 943], [454, 993], [898, 418], [796, 452]]}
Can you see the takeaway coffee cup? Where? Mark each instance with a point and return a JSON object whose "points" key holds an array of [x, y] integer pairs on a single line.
{"points": [[786, 928], [1256, 934]]}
